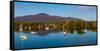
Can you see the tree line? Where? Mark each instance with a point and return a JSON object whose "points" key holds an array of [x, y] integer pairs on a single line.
{"points": [[67, 25]]}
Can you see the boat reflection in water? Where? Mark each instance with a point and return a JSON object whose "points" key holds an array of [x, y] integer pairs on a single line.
{"points": [[54, 37]]}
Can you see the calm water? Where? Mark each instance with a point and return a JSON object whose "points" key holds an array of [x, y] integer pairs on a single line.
{"points": [[54, 39]]}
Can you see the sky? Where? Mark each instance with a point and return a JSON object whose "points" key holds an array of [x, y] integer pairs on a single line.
{"points": [[82, 12]]}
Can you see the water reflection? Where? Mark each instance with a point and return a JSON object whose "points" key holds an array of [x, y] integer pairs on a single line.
{"points": [[43, 32], [31, 35], [65, 31], [53, 38], [42, 29], [46, 28]]}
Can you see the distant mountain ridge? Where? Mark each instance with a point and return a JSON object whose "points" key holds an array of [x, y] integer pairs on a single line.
{"points": [[43, 18]]}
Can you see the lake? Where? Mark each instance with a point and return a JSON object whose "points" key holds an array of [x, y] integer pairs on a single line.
{"points": [[46, 39]]}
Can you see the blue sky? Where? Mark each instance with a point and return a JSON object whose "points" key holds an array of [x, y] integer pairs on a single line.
{"points": [[82, 12]]}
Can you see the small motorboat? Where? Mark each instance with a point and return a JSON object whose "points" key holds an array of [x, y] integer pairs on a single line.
{"points": [[20, 29], [85, 30], [23, 37], [65, 32], [46, 28], [33, 32]]}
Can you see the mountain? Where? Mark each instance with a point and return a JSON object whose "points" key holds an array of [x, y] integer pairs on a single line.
{"points": [[43, 18]]}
